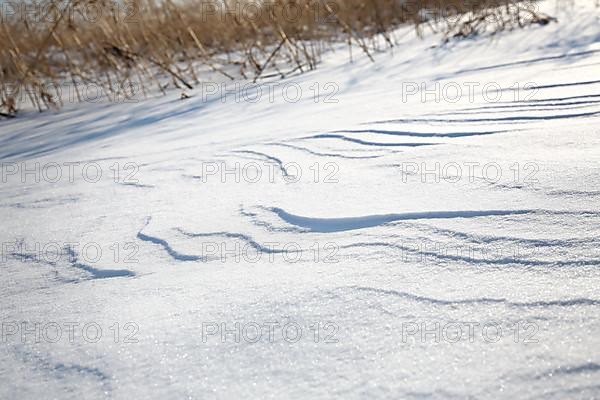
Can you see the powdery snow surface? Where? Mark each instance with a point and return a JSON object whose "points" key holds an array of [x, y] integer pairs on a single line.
{"points": [[375, 245]]}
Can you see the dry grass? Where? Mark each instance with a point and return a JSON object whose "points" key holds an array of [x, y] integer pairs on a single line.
{"points": [[156, 44]]}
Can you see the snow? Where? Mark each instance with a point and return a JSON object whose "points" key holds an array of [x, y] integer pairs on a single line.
{"points": [[384, 220]]}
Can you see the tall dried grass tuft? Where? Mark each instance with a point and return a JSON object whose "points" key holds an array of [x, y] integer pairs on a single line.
{"points": [[137, 45]]}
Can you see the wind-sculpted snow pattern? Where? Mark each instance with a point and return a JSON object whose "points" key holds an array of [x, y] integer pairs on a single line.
{"points": [[385, 245]]}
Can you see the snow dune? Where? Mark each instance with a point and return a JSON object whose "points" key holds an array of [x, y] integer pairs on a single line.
{"points": [[351, 223], [179, 226]]}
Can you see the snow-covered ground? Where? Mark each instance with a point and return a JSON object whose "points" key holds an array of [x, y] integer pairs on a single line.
{"points": [[374, 241]]}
